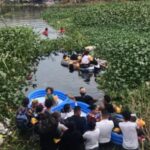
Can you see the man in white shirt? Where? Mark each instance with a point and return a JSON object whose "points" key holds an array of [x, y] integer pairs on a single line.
{"points": [[91, 137], [105, 126], [129, 131]]}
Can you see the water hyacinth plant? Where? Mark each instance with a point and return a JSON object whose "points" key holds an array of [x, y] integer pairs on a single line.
{"points": [[121, 33]]}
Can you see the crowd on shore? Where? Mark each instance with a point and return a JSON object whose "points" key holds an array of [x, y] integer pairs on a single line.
{"points": [[69, 130]]}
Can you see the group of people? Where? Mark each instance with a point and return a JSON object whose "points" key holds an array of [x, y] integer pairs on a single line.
{"points": [[46, 32], [84, 60], [70, 130]]}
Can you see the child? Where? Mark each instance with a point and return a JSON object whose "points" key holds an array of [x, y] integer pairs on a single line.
{"points": [[45, 32], [50, 96]]}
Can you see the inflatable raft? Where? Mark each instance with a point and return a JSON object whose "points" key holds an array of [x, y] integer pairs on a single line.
{"points": [[41, 93], [76, 67], [63, 99]]}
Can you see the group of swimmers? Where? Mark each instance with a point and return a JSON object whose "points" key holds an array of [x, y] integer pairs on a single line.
{"points": [[70, 130], [85, 60], [46, 32]]}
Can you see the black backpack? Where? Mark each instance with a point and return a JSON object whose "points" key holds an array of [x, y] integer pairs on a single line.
{"points": [[22, 120]]}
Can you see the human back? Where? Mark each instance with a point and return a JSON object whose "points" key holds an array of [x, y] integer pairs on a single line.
{"points": [[129, 131], [91, 137], [105, 126]]}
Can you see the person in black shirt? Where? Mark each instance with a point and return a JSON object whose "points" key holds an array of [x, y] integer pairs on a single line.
{"points": [[84, 97], [72, 139], [79, 122], [48, 131], [108, 105]]}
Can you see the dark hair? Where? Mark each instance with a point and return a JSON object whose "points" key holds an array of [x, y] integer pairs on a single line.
{"points": [[91, 125], [39, 108], [46, 28], [77, 108], [66, 108], [107, 98], [104, 112], [86, 53], [50, 88], [25, 102], [48, 103], [127, 115], [56, 115]]}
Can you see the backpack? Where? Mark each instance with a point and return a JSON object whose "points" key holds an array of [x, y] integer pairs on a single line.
{"points": [[22, 120]]}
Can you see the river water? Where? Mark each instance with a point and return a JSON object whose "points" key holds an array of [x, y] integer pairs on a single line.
{"points": [[49, 71]]}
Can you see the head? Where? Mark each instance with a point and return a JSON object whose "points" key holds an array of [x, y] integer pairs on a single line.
{"points": [[46, 29], [25, 102], [82, 91], [105, 114], [86, 52], [77, 110], [48, 103], [127, 115], [67, 108], [94, 109], [34, 103], [107, 99], [57, 116], [91, 125], [133, 117], [39, 108], [49, 90]]}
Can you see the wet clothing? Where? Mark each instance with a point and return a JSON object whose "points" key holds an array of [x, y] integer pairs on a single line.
{"points": [[71, 140], [80, 123]]}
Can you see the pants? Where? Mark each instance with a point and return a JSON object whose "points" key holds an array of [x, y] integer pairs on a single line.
{"points": [[105, 146]]}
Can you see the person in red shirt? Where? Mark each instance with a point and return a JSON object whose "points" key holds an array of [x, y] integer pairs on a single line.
{"points": [[62, 30], [45, 32]]}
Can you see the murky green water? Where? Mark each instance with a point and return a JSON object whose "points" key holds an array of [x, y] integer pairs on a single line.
{"points": [[49, 71]]}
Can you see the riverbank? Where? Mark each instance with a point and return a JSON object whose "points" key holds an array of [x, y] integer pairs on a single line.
{"points": [[112, 29]]}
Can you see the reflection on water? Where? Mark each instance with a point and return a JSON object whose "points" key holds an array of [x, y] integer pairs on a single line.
{"points": [[86, 76], [51, 73], [26, 16]]}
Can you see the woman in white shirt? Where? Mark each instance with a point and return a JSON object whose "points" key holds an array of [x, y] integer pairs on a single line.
{"points": [[91, 137]]}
